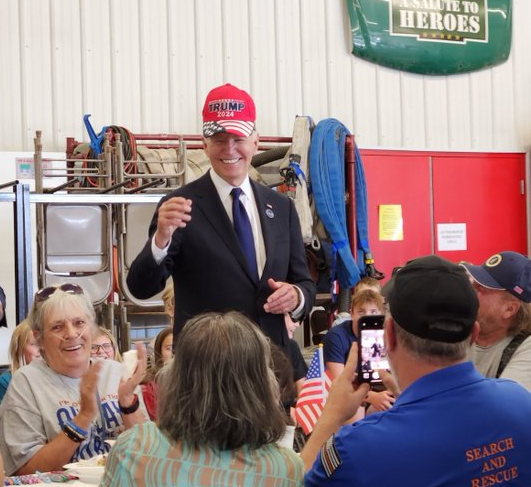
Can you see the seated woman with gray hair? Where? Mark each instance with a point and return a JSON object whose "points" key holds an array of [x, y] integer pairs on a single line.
{"points": [[62, 408], [219, 415]]}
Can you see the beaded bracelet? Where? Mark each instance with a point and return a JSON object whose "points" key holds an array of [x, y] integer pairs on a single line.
{"points": [[74, 432], [78, 429]]}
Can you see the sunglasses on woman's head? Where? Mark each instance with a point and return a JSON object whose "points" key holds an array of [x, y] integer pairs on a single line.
{"points": [[46, 292]]}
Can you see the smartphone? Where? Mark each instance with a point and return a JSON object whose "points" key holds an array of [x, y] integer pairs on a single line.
{"points": [[372, 354]]}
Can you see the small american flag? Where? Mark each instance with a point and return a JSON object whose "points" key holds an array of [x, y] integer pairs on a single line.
{"points": [[313, 394]]}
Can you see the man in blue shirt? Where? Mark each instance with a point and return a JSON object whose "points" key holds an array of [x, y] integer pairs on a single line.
{"points": [[450, 425]]}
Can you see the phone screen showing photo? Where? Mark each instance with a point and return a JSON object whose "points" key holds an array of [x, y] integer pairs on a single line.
{"points": [[373, 355]]}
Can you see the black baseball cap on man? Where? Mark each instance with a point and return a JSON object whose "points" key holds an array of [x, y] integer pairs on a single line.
{"points": [[428, 293]]}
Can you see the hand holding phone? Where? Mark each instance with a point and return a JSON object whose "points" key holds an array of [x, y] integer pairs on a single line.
{"points": [[372, 352]]}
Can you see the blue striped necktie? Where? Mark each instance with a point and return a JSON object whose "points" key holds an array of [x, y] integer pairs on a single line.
{"points": [[242, 225]]}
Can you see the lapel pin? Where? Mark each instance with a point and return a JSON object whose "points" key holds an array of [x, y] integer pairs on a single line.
{"points": [[269, 211]]}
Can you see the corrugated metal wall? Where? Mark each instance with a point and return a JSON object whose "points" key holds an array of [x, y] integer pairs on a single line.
{"points": [[148, 64]]}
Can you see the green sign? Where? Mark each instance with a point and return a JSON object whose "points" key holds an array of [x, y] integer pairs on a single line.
{"points": [[432, 36]]}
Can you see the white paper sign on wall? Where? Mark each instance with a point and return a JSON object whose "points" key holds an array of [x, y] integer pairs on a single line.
{"points": [[451, 236]]}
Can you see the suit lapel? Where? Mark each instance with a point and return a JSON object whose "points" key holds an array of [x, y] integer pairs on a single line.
{"points": [[208, 202]]}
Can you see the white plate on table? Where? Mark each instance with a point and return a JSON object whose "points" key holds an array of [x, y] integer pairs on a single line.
{"points": [[89, 471]]}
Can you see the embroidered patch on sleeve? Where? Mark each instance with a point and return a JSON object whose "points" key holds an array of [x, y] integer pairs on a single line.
{"points": [[329, 457]]}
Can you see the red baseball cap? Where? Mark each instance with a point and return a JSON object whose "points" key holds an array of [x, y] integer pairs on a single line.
{"points": [[228, 109]]}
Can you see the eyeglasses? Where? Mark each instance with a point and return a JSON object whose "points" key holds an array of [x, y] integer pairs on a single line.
{"points": [[106, 347], [46, 292]]}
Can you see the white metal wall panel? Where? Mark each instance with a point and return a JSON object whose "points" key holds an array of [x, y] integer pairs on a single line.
{"points": [[503, 117], [66, 73], [154, 78], [125, 64], [36, 72], [314, 65], [481, 96], [210, 53], [287, 38], [182, 71], [95, 55], [436, 120], [413, 109], [235, 41], [148, 64], [459, 122], [521, 56], [365, 96], [262, 64], [339, 72], [389, 108], [12, 120]]}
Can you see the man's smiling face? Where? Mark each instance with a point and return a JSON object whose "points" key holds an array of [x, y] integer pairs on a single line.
{"points": [[231, 155]]}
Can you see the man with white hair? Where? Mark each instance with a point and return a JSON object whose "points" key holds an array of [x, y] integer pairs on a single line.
{"points": [[228, 242]]}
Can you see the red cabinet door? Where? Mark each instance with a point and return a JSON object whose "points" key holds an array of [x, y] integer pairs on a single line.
{"points": [[403, 179], [486, 192], [483, 191]]}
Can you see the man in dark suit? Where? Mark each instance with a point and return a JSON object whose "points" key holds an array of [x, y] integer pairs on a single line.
{"points": [[192, 237]]}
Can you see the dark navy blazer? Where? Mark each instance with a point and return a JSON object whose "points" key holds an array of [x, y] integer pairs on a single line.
{"points": [[208, 267]]}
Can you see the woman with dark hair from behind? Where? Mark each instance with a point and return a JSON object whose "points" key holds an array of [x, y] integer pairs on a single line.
{"points": [[219, 415], [284, 374], [162, 354]]}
